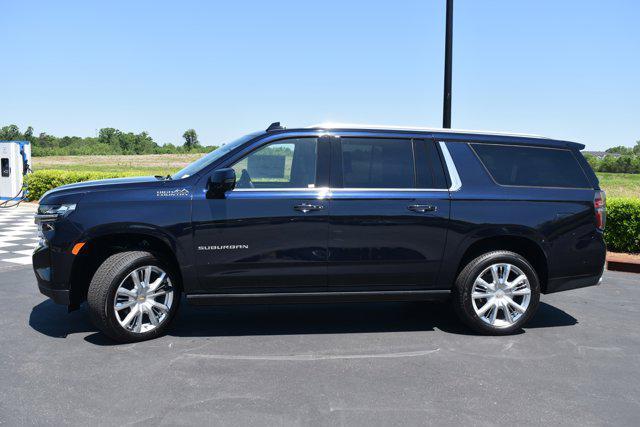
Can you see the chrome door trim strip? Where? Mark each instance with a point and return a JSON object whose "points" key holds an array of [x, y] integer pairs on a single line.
{"points": [[456, 183]]}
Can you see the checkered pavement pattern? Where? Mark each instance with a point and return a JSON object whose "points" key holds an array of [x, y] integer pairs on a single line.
{"points": [[17, 235]]}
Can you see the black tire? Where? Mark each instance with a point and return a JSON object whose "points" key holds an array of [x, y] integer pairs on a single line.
{"points": [[103, 287], [462, 300]]}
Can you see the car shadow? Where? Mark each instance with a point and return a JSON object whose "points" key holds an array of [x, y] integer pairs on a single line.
{"points": [[300, 319], [54, 321]]}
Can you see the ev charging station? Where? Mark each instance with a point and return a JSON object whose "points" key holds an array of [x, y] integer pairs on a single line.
{"points": [[15, 163]]}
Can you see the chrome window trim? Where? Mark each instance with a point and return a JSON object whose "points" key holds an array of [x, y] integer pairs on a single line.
{"points": [[519, 145], [278, 189], [382, 190], [456, 183], [337, 190]]}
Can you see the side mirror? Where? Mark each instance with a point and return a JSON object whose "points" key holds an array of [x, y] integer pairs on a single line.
{"points": [[221, 181]]}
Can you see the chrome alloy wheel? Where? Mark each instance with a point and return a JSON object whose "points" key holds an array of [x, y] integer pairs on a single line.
{"points": [[143, 299], [501, 294]]}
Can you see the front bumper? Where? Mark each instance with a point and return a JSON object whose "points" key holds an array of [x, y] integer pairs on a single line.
{"points": [[52, 269], [59, 296]]}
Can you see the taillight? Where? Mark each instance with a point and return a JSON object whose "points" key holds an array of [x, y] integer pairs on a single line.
{"points": [[600, 206]]}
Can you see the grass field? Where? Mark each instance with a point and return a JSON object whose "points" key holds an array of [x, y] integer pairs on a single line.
{"points": [[620, 184], [615, 184], [148, 164]]}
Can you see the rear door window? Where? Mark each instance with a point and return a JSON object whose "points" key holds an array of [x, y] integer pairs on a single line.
{"points": [[377, 163], [531, 166]]}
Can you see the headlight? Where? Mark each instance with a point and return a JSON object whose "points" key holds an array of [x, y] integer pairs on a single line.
{"points": [[46, 216], [56, 209], [42, 240], [53, 212]]}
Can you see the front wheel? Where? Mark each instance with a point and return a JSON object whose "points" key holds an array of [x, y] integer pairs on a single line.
{"points": [[133, 296], [496, 293]]}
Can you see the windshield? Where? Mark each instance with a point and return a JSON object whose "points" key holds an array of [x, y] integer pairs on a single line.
{"points": [[216, 154]]}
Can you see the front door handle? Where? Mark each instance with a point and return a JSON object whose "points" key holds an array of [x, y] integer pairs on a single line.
{"points": [[422, 208], [305, 207]]}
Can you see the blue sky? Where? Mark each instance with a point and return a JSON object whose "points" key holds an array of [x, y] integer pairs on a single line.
{"points": [[567, 69]]}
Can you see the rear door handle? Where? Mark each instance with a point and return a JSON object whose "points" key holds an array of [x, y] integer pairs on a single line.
{"points": [[305, 207], [422, 208]]}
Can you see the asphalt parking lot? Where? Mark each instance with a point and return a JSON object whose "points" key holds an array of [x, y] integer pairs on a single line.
{"points": [[577, 363]]}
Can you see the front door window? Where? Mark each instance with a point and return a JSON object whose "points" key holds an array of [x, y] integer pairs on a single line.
{"points": [[282, 164]]}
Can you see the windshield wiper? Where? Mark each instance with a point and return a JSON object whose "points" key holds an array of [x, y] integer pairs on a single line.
{"points": [[163, 178]]}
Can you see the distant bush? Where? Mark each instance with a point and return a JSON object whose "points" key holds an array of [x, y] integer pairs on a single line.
{"points": [[42, 181], [622, 232]]}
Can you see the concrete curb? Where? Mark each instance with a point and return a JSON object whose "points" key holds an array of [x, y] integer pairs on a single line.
{"points": [[617, 262]]}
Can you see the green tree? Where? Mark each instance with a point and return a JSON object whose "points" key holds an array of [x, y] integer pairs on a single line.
{"points": [[190, 139], [594, 162], [145, 144], [108, 136], [619, 149], [10, 133], [109, 141], [28, 134]]}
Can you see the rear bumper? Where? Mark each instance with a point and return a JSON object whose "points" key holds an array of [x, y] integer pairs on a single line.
{"points": [[579, 265], [568, 283]]}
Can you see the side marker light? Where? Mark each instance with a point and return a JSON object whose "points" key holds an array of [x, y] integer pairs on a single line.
{"points": [[77, 247]]}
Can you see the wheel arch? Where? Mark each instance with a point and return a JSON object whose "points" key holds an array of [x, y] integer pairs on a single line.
{"points": [[102, 245], [529, 249]]}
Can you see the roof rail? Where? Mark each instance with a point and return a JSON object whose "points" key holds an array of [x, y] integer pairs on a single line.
{"points": [[275, 126], [416, 128]]}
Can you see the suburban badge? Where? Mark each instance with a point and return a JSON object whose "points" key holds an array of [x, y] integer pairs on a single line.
{"points": [[222, 247]]}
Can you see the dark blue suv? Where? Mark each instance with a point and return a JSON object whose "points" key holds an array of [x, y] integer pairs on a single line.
{"points": [[331, 213]]}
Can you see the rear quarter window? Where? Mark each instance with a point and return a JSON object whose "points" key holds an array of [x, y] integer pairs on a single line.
{"points": [[531, 166]]}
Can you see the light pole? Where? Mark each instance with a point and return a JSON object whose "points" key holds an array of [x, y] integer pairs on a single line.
{"points": [[446, 102]]}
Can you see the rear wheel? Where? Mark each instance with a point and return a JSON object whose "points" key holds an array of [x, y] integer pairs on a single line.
{"points": [[496, 293], [133, 296]]}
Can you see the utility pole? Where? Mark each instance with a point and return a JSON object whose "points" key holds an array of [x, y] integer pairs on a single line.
{"points": [[446, 104]]}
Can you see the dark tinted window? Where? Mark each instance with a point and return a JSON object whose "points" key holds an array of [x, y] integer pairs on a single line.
{"points": [[532, 166], [429, 168], [377, 163]]}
